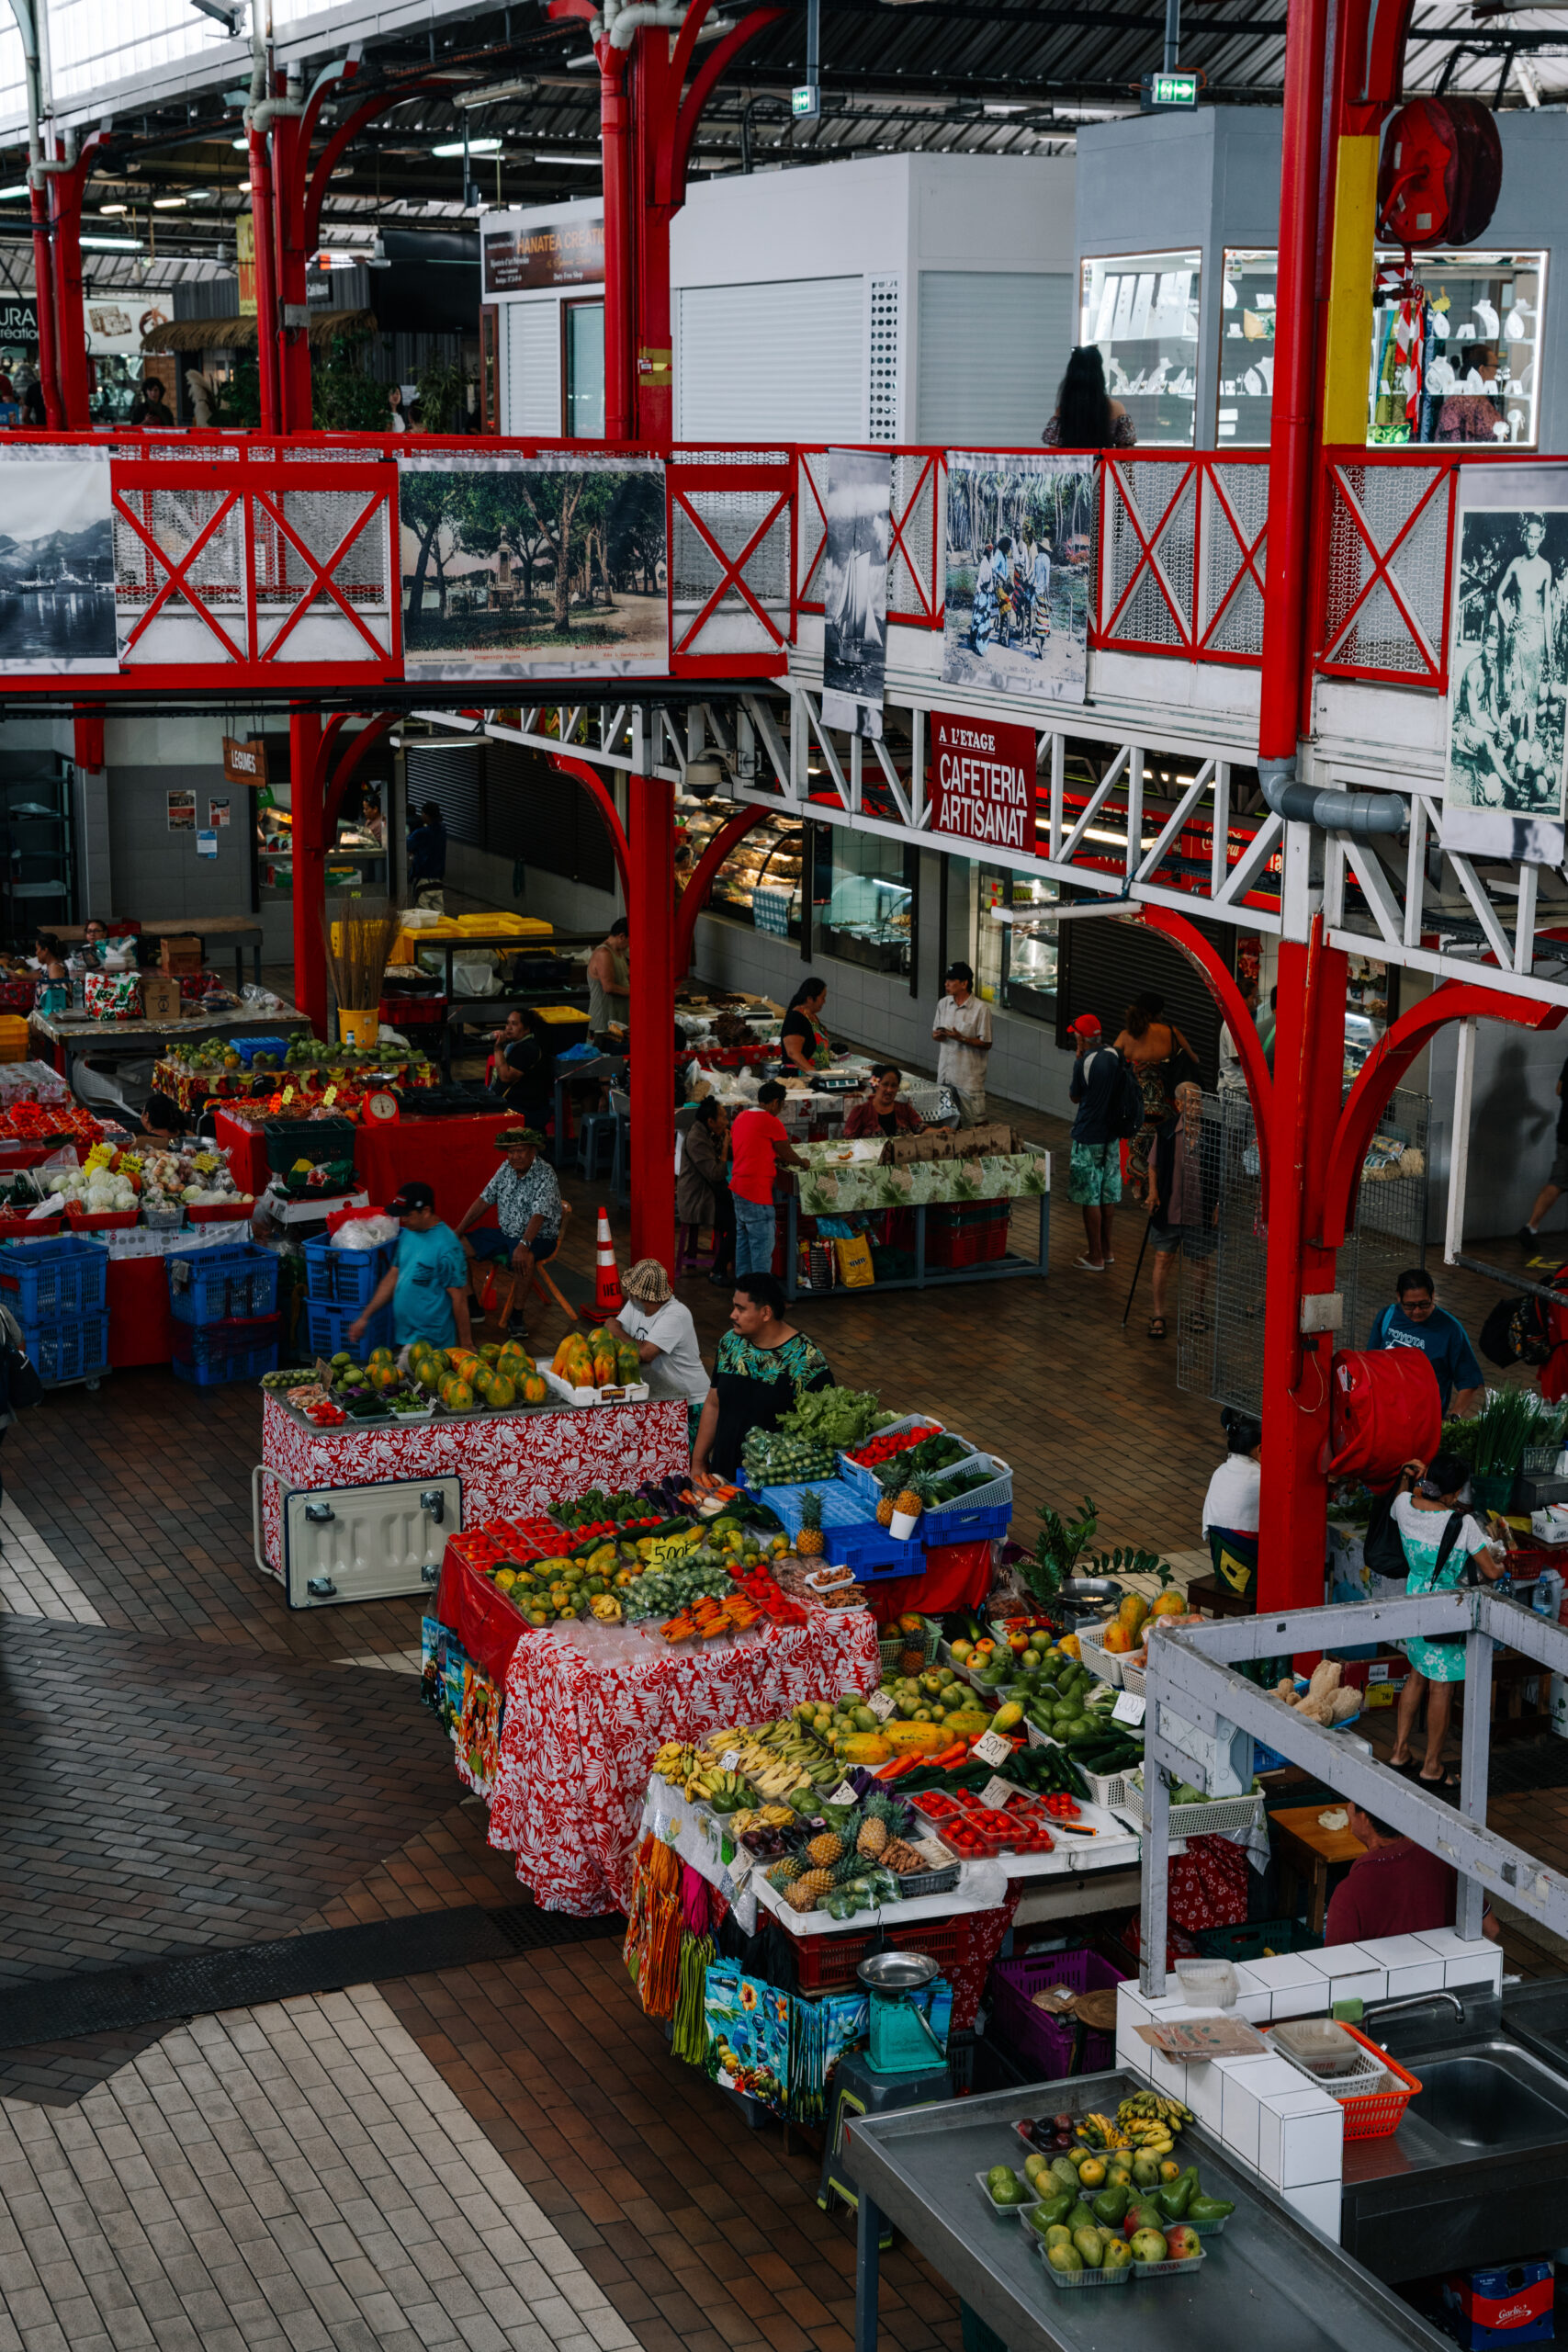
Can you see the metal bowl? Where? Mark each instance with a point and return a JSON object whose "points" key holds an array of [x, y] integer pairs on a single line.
{"points": [[898, 1972], [1090, 1595]]}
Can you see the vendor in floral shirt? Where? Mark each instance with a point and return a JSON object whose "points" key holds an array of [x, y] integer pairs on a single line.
{"points": [[525, 1196], [763, 1364]]}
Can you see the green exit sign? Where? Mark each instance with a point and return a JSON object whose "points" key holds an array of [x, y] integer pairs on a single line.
{"points": [[806, 102], [1170, 89]]}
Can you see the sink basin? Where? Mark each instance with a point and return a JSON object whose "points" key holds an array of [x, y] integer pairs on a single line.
{"points": [[1477, 2103]]}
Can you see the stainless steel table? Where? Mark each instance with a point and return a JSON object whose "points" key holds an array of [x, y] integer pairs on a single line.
{"points": [[1267, 2284]]}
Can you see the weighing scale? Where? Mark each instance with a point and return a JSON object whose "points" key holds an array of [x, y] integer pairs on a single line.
{"points": [[903, 2066]]}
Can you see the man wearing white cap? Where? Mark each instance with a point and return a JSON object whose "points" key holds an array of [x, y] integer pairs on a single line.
{"points": [[666, 1338]]}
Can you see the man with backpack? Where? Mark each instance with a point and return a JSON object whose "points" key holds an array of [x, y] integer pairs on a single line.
{"points": [[1108, 1094], [1415, 1321]]}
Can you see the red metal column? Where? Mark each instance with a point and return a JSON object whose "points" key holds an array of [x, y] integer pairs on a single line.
{"points": [[43, 300], [289, 159], [308, 809], [1310, 1032], [650, 910], [266, 281], [620, 238], [70, 321]]}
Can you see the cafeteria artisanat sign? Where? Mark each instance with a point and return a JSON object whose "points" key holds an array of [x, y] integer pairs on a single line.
{"points": [[982, 780]]}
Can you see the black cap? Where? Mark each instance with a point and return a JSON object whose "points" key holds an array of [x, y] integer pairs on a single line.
{"points": [[411, 1197]]}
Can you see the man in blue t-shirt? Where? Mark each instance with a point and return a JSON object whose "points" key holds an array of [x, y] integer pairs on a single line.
{"points": [[427, 1282], [1418, 1321]]}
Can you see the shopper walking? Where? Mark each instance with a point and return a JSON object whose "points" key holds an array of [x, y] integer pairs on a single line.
{"points": [[666, 1339], [1415, 1321], [758, 1148], [1094, 1178], [762, 1365], [1557, 1181], [609, 982], [962, 1033], [1161, 1057], [1439, 1541], [804, 1045], [702, 1190], [1184, 1204], [1085, 417], [427, 1282]]}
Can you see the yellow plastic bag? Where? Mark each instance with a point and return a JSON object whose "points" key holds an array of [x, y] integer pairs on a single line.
{"points": [[855, 1269]]}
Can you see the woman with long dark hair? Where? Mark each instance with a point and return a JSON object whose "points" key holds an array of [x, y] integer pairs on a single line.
{"points": [[1086, 417]]}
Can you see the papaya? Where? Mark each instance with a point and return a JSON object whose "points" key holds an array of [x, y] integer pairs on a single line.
{"points": [[924, 1739], [429, 1374], [534, 1390], [456, 1395], [500, 1392], [864, 1748]]}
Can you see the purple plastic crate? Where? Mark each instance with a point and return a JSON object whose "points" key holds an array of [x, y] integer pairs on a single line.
{"points": [[1045, 2044]]}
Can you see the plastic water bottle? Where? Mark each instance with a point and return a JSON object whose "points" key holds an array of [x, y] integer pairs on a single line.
{"points": [[1547, 1599]]}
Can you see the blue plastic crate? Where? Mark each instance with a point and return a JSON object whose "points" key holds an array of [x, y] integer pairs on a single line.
{"points": [[872, 1552], [216, 1284], [959, 1525], [249, 1047], [78, 1350], [344, 1277], [213, 1355], [44, 1281], [850, 1539], [326, 1330]]}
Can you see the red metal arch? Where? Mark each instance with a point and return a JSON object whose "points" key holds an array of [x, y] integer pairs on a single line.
{"points": [[1383, 1068], [598, 791], [348, 767], [1201, 956], [695, 898]]}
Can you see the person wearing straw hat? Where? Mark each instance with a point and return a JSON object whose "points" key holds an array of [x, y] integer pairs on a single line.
{"points": [[665, 1338], [525, 1196]]}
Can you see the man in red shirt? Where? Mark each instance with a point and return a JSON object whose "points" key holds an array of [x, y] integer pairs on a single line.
{"points": [[1395, 1888], [758, 1145]]}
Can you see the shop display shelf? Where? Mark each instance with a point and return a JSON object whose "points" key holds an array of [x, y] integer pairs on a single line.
{"points": [[343, 1277], [77, 1350], [1221, 1816], [44, 1281], [215, 1284], [1105, 1665], [327, 1330], [215, 1355], [1111, 1789]]}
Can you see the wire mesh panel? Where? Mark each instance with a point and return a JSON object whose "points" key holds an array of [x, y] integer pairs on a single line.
{"points": [[1386, 594], [1230, 595], [730, 555], [1390, 1214], [915, 587], [1151, 526], [811, 528]]}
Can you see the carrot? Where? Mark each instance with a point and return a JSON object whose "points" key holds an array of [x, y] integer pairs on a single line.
{"points": [[954, 1754]]}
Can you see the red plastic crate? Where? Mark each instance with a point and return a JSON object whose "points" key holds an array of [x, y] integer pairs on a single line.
{"points": [[828, 1963], [16, 1226], [217, 1212], [413, 1011], [100, 1220]]}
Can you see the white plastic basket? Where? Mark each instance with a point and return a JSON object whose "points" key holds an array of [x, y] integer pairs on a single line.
{"points": [[1222, 1816], [1105, 1665]]}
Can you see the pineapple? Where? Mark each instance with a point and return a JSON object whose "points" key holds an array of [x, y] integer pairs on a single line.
{"points": [[825, 1851], [892, 1478], [912, 1499], [811, 1542], [805, 1893], [875, 1829]]}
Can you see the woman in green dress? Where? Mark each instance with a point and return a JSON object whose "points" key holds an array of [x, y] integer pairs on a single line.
{"points": [[1440, 1541]]}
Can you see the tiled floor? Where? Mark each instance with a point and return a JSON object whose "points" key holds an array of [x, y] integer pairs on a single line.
{"points": [[504, 2154]]}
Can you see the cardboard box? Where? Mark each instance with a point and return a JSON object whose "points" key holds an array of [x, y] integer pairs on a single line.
{"points": [[160, 996], [1499, 2308], [180, 952]]}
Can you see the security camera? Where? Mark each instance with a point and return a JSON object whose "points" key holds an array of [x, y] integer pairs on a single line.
{"points": [[705, 777]]}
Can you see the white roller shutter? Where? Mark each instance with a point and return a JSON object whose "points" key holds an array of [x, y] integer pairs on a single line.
{"points": [[787, 361], [993, 344], [532, 367]]}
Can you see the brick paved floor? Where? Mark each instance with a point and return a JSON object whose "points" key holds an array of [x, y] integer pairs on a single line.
{"points": [[188, 1762]]}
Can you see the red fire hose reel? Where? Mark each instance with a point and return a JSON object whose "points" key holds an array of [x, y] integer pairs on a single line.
{"points": [[1441, 173]]}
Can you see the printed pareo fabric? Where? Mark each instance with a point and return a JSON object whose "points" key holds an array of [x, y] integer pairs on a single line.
{"points": [[999, 1176], [511, 1464], [578, 1736]]}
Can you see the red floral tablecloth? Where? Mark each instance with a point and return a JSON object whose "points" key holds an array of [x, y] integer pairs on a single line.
{"points": [[580, 1735], [1207, 1885], [510, 1463]]}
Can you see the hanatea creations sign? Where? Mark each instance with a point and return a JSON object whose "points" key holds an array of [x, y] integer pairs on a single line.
{"points": [[982, 780], [560, 252]]}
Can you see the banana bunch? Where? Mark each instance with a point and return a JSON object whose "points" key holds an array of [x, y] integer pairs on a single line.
{"points": [[774, 1776], [1100, 2131], [765, 1816], [677, 1763], [1151, 2122]]}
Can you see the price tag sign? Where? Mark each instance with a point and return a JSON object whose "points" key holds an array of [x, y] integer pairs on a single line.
{"points": [[995, 1793], [729, 1760], [1129, 1707], [843, 1794], [992, 1748], [883, 1704], [740, 1868]]}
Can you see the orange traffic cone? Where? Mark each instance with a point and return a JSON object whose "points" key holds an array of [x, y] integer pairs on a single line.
{"points": [[608, 1299]]}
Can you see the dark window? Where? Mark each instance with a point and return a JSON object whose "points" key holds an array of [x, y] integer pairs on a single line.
{"points": [[547, 820], [453, 775], [1103, 966]]}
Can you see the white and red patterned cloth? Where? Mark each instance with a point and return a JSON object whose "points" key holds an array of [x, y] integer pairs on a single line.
{"points": [[1206, 1887], [510, 1462], [580, 1735]]}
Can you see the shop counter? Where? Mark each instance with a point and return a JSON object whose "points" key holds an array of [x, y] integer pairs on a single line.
{"points": [[588, 1707], [508, 1462], [1268, 2280]]}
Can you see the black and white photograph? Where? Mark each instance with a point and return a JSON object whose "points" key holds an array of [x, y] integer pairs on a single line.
{"points": [[518, 567], [57, 604], [1504, 791], [1020, 539], [854, 589]]}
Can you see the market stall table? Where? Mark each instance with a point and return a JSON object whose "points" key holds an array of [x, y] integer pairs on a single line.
{"points": [[240, 931], [515, 1461], [1309, 1851], [845, 1182], [66, 1035]]}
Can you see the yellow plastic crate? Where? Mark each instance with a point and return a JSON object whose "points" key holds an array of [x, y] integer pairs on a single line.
{"points": [[559, 1015], [13, 1037], [512, 926]]}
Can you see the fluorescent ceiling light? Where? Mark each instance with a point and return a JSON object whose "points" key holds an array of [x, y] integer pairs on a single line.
{"points": [[590, 162], [107, 212], [6, 193], [167, 203], [241, 146], [475, 147], [113, 244], [1004, 106]]}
